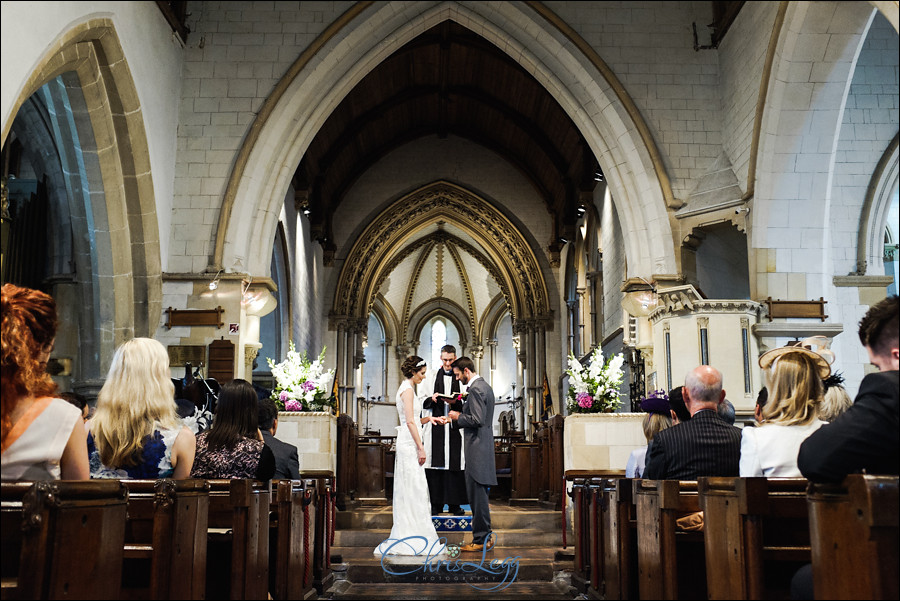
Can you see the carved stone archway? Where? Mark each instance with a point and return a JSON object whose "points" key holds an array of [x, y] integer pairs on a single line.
{"points": [[502, 250]]}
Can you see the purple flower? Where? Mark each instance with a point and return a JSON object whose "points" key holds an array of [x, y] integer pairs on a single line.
{"points": [[308, 385], [293, 405], [584, 400], [283, 396]]}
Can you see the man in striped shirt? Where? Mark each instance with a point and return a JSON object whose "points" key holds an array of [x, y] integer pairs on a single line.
{"points": [[704, 445]]}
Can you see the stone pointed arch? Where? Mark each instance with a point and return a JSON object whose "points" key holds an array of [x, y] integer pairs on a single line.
{"points": [[503, 245], [447, 309], [370, 32], [127, 271]]}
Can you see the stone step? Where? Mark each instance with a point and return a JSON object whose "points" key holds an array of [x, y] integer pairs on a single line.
{"points": [[494, 568], [551, 591], [501, 518], [520, 537]]}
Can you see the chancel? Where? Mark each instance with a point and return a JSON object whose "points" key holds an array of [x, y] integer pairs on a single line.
{"points": [[587, 200]]}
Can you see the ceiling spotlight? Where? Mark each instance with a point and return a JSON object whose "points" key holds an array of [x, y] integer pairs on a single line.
{"points": [[598, 176], [215, 282], [581, 210], [306, 211]]}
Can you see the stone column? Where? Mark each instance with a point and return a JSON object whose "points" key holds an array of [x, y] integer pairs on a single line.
{"points": [[477, 352]]}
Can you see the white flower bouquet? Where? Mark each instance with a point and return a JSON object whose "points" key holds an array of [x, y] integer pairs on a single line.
{"points": [[595, 388], [301, 384]]}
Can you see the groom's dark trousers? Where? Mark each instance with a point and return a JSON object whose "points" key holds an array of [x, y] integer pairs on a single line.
{"points": [[476, 421]]}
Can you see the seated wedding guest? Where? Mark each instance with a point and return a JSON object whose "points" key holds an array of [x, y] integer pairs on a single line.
{"points": [[657, 419], [794, 382], [233, 446], [41, 437], [866, 437], [135, 432], [726, 412], [77, 401], [836, 399], [287, 464], [680, 413], [703, 446]]}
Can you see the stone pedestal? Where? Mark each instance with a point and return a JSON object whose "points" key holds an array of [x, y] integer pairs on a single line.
{"points": [[601, 441], [314, 433]]}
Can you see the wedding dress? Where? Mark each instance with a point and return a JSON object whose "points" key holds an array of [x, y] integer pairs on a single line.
{"points": [[413, 532]]}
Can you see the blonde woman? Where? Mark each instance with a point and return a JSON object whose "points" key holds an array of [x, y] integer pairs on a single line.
{"points": [[135, 432], [795, 387], [658, 418]]}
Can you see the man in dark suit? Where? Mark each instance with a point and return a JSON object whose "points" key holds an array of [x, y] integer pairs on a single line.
{"points": [[476, 419], [287, 464], [866, 437], [702, 446]]}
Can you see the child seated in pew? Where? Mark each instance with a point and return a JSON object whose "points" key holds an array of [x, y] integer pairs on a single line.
{"points": [[42, 435], [135, 432], [788, 416]]}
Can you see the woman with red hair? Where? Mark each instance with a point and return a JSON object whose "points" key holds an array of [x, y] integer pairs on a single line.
{"points": [[42, 437]]}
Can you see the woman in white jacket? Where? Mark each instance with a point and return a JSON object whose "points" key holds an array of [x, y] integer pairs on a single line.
{"points": [[795, 388]]}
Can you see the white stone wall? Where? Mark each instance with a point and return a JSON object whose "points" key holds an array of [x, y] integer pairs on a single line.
{"points": [[870, 122], [613, 266], [154, 55], [649, 45], [236, 55], [742, 56]]}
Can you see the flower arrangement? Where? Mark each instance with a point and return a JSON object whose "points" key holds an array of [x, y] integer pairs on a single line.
{"points": [[595, 388], [301, 384]]}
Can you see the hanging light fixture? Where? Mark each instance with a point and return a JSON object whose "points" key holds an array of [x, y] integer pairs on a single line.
{"points": [[640, 297], [215, 282]]}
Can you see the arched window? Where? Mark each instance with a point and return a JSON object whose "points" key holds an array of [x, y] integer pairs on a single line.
{"points": [[438, 339]]}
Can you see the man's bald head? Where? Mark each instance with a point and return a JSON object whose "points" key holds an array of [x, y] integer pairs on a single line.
{"points": [[703, 388]]}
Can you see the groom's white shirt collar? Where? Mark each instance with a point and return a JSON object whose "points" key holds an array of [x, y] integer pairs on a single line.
{"points": [[472, 379]]}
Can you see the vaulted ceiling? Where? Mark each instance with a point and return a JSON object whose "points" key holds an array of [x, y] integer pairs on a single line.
{"points": [[448, 81]]}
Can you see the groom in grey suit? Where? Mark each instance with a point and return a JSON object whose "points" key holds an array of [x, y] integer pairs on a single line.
{"points": [[476, 420]]}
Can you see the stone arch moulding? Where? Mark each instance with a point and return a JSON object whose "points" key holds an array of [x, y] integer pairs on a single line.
{"points": [[368, 33], [492, 316], [134, 275], [447, 309], [388, 320], [873, 219], [504, 245]]}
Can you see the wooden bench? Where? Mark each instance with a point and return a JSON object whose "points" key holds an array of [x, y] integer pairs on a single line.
{"points": [[854, 538], [618, 561], [165, 539], [662, 548], [63, 539], [323, 483], [586, 495], [756, 533], [237, 564], [291, 540]]}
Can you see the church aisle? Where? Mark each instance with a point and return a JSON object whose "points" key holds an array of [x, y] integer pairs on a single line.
{"points": [[528, 561]]}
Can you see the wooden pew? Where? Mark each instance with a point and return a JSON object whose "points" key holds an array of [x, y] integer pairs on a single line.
{"points": [[63, 539], [323, 482], [854, 538], [165, 539], [291, 540], [348, 476], [237, 564], [587, 503], [618, 560], [662, 547], [756, 534], [580, 526]]}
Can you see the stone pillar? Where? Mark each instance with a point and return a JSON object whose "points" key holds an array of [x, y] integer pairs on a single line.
{"points": [[477, 352], [521, 356], [251, 350]]}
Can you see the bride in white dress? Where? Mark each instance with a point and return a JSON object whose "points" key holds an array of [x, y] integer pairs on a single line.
{"points": [[412, 532]]}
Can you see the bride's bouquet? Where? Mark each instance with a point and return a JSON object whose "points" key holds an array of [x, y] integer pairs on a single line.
{"points": [[301, 384], [595, 388]]}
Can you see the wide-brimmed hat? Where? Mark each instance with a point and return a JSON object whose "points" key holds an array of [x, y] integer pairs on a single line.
{"points": [[815, 347], [657, 402]]}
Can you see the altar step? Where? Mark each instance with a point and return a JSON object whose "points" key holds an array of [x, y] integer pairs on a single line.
{"points": [[529, 542]]}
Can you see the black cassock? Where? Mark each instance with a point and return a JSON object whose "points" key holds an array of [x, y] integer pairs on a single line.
{"points": [[445, 468]]}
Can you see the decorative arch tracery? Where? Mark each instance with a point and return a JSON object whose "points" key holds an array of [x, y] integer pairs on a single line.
{"points": [[371, 258]]}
